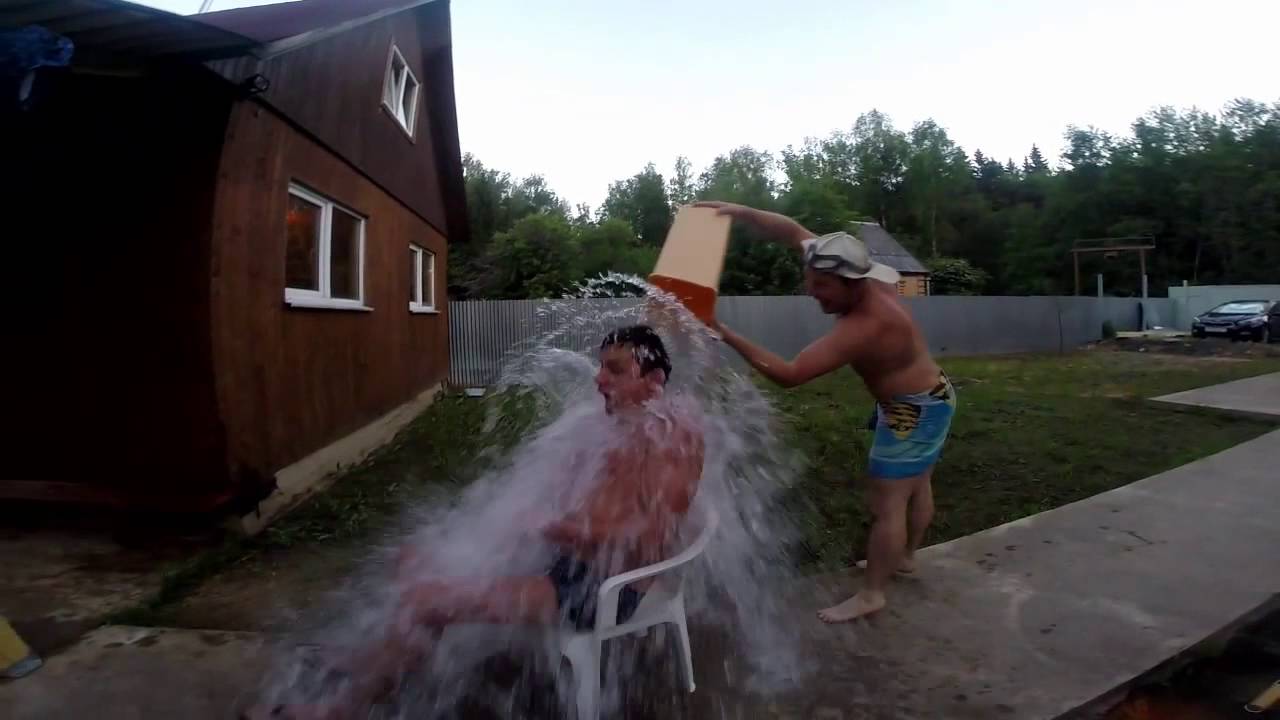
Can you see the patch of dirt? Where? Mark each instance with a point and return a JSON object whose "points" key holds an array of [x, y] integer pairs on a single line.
{"points": [[272, 593], [1200, 348], [58, 583]]}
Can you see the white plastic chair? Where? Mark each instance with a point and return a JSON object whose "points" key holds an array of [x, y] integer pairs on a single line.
{"points": [[662, 604]]}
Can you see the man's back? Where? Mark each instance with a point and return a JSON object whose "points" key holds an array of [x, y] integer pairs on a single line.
{"points": [[897, 362]]}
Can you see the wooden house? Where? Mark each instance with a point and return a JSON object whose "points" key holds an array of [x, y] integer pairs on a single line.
{"points": [[887, 250], [235, 233]]}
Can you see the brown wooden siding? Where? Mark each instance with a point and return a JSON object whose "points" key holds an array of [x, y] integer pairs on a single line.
{"points": [[333, 89], [290, 381], [107, 370], [913, 285]]}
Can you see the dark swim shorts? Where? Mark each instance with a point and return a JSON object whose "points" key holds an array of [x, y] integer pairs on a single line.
{"points": [[578, 590]]}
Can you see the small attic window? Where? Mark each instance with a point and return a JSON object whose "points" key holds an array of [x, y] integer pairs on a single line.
{"points": [[400, 92]]}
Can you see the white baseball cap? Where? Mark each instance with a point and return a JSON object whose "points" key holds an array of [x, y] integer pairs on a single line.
{"points": [[842, 254]]}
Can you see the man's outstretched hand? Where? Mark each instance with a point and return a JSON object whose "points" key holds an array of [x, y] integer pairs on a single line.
{"points": [[718, 204]]}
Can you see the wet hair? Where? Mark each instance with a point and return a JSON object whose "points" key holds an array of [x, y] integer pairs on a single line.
{"points": [[645, 345]]}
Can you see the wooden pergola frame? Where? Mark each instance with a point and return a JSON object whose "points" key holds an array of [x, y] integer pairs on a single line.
{"points": [[1139, 244]]}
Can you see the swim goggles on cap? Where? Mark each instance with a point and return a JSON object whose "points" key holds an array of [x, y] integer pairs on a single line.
{"points": [[828, 263]]}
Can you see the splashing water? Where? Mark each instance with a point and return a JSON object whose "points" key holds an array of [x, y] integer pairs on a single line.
{"points": [[736, 587]]}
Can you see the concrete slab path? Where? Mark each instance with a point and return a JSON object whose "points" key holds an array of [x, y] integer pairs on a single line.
{"points": [[1046, 613], [1256, 396], [57, 585], [127, 673]]}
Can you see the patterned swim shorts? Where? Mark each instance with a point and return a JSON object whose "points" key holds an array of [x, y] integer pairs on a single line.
{"points": [[910, 432]]}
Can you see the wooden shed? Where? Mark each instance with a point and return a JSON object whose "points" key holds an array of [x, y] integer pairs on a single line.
{"points": [[236, 239], [886, 249]]}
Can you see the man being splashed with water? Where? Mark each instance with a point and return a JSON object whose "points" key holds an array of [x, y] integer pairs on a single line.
{"points": [[876, 337], [628, 519]]}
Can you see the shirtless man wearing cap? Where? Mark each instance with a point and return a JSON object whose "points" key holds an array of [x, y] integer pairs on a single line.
{"points": [[915, 402]]}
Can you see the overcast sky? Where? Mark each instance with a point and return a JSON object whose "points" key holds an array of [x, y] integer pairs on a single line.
{"points": [[587, 91]]}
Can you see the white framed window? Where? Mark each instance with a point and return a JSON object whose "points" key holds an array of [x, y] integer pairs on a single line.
{"points": [[324, 253], [422, 280], [400, 92]]}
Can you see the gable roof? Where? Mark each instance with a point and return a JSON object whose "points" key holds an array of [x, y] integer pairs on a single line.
{"points": [[884, 249], [288, 25], [232, 41]]}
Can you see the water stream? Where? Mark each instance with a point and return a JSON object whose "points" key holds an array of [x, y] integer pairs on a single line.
{"points": [[737, 586]]}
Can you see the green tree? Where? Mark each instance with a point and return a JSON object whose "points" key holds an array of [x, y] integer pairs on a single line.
{"points": [[955, 276], [1035, 162], [1205, 186], [753, 266], [680, 187], [532, 196], [990, 178], [536, 258], [816, 195], [879, 153], [641, 201], [487, 192], [611, 247], [938, 173], [744, 176]]}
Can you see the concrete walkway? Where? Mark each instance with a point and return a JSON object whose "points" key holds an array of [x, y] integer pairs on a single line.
{"points": [[1027, 620], [1256, 397], [125, 673], [1046, 613]]}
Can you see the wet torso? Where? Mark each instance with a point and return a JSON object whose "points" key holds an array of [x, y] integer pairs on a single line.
{"points": [[646, 488]]}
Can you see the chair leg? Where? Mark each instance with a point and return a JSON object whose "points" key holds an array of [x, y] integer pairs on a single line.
{"points": [[584, 658], [686, 653]]}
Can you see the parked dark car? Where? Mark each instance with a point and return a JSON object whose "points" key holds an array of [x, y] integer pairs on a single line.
{"points": [[1240, 320]]}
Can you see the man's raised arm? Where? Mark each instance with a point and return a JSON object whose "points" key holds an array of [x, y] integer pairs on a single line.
{"points": [[779, 228]]}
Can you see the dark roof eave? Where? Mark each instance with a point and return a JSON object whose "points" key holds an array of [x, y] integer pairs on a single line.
{"points": [[128, 30], [267, 49]]}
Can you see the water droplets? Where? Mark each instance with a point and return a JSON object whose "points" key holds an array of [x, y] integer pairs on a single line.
{"points": [[737, 586]]}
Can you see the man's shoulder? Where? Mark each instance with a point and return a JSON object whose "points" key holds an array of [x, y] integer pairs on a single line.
{"points": [[884, 312]]}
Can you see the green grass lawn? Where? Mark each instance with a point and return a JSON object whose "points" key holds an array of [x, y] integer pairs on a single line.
{"points": [[1030, 434]]}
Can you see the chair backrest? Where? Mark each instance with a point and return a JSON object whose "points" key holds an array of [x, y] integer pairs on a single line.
{"points": [[710, 520]]}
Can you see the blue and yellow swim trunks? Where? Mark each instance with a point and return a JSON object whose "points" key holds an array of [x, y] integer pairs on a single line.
{"points": [[910, 432]]}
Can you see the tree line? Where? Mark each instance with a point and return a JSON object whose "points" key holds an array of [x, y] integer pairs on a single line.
{"points": [[1204, 187]]}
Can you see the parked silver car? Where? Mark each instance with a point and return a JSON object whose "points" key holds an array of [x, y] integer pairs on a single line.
{"points": [[1257, 320]]}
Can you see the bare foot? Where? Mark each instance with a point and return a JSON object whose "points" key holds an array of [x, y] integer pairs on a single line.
{"points": [[906, 567], [865, 602]]}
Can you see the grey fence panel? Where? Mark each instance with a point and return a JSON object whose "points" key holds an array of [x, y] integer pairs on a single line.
{"points": [[1122, 313], [485, 334], [986, 325], [789, 322], [1194, 300]]}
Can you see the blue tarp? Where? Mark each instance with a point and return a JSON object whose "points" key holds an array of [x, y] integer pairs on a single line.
{"points": [[27, 48]]}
